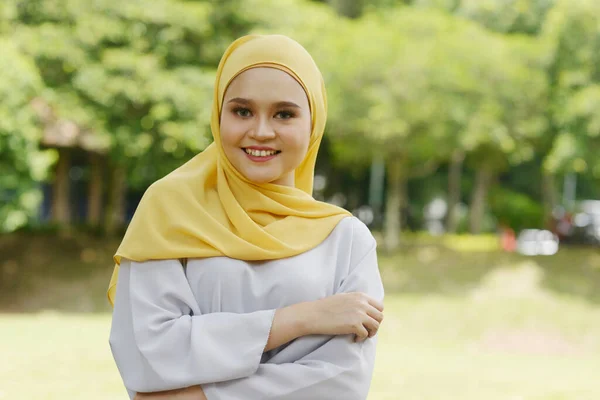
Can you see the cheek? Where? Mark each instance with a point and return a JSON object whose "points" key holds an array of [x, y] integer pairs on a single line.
{"points": [[230, 133], [304, 135], [298, 138]]}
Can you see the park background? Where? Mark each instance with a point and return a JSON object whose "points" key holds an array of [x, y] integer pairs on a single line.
{"points": [[454, 126]]}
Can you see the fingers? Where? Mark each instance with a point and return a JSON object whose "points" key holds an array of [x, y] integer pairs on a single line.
{"points": [[377, 304], [361, 333], [374, 308], [372, 326], [365, 298], [367, 329], [375, 314]]}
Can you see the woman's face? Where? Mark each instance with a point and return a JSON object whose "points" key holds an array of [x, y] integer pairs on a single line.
{"points": [[265, 125]]}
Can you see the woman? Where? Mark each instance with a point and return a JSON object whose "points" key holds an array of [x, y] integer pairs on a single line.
{"points": [[233, 282]]}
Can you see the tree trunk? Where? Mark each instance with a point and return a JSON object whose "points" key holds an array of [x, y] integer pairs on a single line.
{"points": [[483, 178], [395, 201], [115, 208], [454, 192], [549, 197], [61, 212], [95, 190], [376, 186]]}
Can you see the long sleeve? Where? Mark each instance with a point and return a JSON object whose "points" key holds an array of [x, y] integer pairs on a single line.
{"points": [[334, 367], [160, 340]]}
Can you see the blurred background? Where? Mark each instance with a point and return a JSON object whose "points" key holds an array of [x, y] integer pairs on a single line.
{"points": [[465, 133]]}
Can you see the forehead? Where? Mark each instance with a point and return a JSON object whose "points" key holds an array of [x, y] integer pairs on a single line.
{"points": [[266, 84]]}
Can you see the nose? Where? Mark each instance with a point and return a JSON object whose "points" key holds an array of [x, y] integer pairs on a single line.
{"points": [[262, 129]]}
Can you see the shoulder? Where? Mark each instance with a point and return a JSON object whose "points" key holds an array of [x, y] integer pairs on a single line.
{"points": [[153, 264], [356, 236], [158, 194], [355, 228], [160, 186]]}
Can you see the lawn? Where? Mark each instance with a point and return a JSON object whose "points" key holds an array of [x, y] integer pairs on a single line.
{"points": [[459, 325]]}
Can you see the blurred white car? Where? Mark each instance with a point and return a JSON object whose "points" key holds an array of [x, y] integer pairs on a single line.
{"points": [[534, 242]]}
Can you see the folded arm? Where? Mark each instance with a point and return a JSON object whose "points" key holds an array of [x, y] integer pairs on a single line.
{"points": [[337, 367], [160, 341]]}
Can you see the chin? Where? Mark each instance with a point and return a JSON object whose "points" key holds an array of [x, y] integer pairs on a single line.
{"points": [[261, 179]]}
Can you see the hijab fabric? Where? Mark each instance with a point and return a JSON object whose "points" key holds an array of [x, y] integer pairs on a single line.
{"points": [[206, 208]]}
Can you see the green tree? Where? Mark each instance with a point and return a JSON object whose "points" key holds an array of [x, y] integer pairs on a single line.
{"points": [[406, 99], [507, 16], [22, 164], [138, 74], [572, 32], [509, 121]]}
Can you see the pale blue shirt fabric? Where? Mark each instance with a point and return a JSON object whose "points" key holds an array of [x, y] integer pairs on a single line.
{"points": [[207, 323]]}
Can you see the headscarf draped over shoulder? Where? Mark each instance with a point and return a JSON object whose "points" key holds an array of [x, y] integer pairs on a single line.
{"points": [[206, 208]]}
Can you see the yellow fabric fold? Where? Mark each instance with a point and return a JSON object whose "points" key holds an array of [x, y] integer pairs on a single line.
{"points": [[206, 208]]}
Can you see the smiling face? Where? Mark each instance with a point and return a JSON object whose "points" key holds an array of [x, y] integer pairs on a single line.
{"points": [[265, 125]]}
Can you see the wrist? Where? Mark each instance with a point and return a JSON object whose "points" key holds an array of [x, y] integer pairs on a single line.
{"points": [[303, 316]]}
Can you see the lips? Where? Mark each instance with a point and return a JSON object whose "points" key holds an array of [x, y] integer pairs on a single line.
{"points": [[261, 152], [260, 155]]}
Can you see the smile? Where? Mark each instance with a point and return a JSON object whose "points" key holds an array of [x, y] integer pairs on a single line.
{"points": [[261, 153]]}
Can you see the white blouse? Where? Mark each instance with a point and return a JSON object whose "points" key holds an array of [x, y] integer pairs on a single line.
{"points": [[208, 323]]}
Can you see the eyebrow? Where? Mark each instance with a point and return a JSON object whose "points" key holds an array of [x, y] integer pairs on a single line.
{"points": [[278, 104]]}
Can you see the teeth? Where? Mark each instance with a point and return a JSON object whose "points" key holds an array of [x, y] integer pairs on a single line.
{"points": [[260, 153]]}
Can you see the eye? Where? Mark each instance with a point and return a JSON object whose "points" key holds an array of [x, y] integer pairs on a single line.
{"points": [[285, 115], [242, 112]]}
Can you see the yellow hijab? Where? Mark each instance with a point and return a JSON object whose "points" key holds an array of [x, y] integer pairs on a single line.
{"points": [[206, 208]]}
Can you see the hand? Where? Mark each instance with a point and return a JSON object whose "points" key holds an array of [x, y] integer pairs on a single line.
{"points": [[190, 393], [346, 313]]}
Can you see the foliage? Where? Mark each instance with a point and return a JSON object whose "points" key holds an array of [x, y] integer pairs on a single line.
{"points": [[141, 76], [573, 31], [22, 164], [515, 209], [414, 82]]}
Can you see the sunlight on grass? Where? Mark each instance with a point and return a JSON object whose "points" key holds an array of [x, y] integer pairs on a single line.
{"points": [[464, 325], [470, 243], [436, 347], [56, 357], [483, 345], [458, 242]]}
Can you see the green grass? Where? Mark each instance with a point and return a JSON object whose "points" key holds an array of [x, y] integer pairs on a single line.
{"points": [[435, 347], [57, 356], [483, 346], [461, 325]]}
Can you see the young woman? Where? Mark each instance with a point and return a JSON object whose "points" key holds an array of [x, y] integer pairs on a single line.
{"points": [[233, 282]]}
